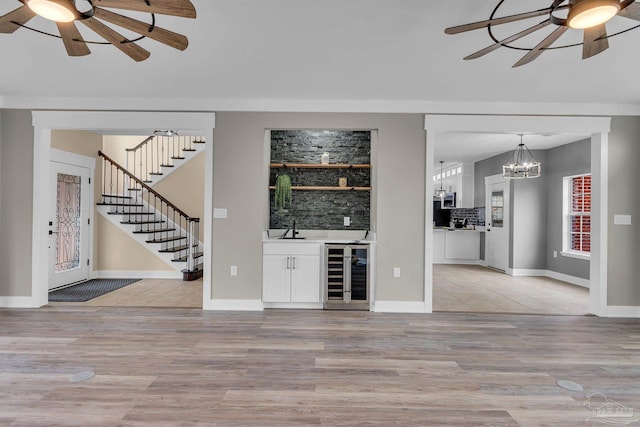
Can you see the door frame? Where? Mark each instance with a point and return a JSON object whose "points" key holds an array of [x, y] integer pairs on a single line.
{"points": [[107, 121], [89, 163], [597, 127]]}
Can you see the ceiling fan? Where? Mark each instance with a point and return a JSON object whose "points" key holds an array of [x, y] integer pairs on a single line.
{"points": [[587, 15], [92, 13]]}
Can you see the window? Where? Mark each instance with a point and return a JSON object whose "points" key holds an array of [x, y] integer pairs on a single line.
{"points": [[577, 216]]}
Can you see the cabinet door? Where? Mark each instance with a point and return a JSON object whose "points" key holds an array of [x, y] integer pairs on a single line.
{"points": [[276, 278], [305, 278]]}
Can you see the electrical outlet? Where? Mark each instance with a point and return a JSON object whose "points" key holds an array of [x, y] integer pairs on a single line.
{"points": [[622, 219], [555, 254], [234, 270], [347, 221], [396, 272]]}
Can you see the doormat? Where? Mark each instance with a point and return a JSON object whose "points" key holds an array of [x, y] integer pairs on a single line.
{"points": [[88, 290]]}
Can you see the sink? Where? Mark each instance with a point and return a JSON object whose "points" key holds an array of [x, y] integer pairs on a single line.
{"points": [[292, 238]]}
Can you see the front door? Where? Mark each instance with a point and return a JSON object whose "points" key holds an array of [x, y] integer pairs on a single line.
{"points": [[497, 235], [69, 214]]}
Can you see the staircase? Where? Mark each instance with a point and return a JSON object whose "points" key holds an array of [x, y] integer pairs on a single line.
{"points": [[129, 201]]}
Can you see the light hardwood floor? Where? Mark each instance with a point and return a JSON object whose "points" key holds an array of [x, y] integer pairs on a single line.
{"points": [[477, 289], [188, 367], [150, 293]]}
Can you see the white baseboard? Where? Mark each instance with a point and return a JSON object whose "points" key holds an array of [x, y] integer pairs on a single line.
{"points": [[585, 283], [459, 261], [233, 305], [551, 274], [19, 302], [295, 305], [623, 311], [399, 307], [134, 274]]}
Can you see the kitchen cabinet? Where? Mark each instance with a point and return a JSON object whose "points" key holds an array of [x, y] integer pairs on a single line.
{"points": [[456, 247], [291, 273]]}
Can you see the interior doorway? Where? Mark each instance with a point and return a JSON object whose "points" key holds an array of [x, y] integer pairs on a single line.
{"points": [[597, 128]]}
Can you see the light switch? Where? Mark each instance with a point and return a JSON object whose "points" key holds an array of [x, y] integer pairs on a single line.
{"points": [[396, 272], [234, 270], [219, 213], [622, 219], [347, 221]]}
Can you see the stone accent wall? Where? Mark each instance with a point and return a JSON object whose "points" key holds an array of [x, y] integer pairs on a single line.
{"points": [[320, 209]]}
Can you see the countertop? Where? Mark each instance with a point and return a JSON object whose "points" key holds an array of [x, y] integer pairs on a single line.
{"points": [[311, 236], [477, 229]]}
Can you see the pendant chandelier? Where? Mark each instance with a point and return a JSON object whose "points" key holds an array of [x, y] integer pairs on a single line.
{"points": [[522, 164], [439, 193]]}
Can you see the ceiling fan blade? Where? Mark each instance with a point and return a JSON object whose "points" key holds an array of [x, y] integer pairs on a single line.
{"points": [[540, 47], [21, 15], [595, 41], [631, 11], [72, 39], [183, 8], [513, 38], [167, 37], [496, 21], [132, 50]]}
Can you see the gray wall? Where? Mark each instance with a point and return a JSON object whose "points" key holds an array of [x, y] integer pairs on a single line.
{"points": [[623, 244], [16, 209], [399, 165], [570, 159], [528, 220]]}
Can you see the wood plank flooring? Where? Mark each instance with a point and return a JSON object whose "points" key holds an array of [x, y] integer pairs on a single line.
{"points": [[188, 367], [150, 293], [477, 289]]}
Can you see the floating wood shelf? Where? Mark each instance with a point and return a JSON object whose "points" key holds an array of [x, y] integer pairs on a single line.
{"points": [[320, 166], [325, 188]]}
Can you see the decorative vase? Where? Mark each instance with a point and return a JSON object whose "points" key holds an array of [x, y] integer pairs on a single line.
{"points": [[342, 181], [324, 159]]}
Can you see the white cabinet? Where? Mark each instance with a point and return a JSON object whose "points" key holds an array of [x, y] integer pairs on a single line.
{"points": [[456, 247], [462, 245], [465, 191], [291, 273]]}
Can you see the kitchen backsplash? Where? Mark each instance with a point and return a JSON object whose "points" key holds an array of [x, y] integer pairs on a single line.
{"points": [[474, 216], [322, 209]]}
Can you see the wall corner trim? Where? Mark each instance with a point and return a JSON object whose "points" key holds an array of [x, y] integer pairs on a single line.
{"points": [[623, 311], [400, 307], [233, 305]]}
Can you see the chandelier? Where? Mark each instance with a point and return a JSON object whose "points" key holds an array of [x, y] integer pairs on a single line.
{"points": [[522, 164]]}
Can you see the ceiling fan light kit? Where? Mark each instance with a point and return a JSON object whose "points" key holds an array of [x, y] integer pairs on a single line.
{"points": [[589, 13], [65, 14], [588, 16], [53, 10]]}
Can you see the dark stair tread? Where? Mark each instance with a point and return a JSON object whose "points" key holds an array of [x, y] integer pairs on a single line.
{"points": [[131, 213], [189, 149], [174, 249], [116, 196], [159, 230], [198, 142], [166, 239], [177, 158], [119, 204], [134, 189], [156, 173], [140, 222], [166, 166], [184, 258], [147, 182]]}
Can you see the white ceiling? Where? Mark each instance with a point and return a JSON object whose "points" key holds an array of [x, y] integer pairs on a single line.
{"points": [[257, 51], [458, 147]]}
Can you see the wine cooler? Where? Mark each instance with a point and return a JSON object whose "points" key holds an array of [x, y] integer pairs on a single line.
{"points": [[347, 277]]}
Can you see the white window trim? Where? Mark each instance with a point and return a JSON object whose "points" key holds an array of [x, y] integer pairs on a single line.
{"points": [[566, 226]]}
